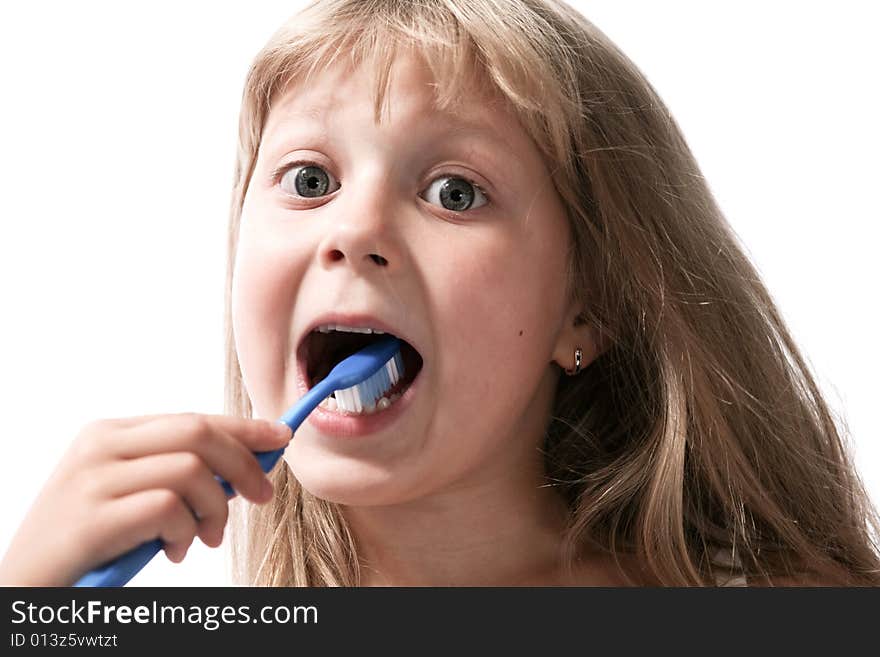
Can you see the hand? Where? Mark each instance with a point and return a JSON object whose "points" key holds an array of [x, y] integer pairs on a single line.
{"points": [[127, 481]]}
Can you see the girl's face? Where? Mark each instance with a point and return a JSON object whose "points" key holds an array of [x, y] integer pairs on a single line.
{"points": [[474, 278]]}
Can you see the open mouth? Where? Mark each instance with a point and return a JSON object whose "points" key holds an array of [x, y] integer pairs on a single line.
{"points": [[323, 351]]}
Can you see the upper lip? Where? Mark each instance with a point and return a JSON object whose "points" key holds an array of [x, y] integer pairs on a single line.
{"points": [[350, 319]]}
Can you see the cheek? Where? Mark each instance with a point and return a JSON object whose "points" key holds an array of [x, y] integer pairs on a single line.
{"points": [[500, 313], [260, 317]]}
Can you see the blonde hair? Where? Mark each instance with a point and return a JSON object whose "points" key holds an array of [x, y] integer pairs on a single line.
{"points": [[700, 431]]}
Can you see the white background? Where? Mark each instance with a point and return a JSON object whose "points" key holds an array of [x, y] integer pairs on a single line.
{"points": [[118, 125]]}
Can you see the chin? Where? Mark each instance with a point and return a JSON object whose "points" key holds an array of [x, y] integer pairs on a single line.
{"points": [[342, 480]]}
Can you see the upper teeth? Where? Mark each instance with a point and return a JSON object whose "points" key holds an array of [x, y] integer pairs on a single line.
{"points": [[326, 328]]}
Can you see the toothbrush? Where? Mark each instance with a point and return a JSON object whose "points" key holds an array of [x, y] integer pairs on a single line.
{"points": [[365, 375]]}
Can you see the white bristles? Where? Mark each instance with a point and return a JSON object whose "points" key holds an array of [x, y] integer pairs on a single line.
{"points": [[365, 395]]}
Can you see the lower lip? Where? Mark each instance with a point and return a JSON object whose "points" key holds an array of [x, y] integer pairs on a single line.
{"points": [[340, 425]]}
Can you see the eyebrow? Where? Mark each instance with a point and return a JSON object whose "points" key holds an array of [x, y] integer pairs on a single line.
{"points": [[458, 127]]}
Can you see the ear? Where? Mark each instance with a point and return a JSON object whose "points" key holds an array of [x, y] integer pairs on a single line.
{"points": [[578, 333]]}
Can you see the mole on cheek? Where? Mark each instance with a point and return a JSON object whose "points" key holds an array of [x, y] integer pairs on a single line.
{"points": [[520, 332]]}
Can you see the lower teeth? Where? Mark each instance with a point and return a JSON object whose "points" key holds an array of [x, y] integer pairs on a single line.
{"points": [[331, 404]]}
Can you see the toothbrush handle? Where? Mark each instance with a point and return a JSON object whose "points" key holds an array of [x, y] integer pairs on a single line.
{"points": [[120, 570]]}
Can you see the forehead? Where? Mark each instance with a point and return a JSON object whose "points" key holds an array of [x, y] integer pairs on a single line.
{"points": [[409, 103]]}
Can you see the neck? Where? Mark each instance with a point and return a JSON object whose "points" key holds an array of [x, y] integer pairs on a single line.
{"points": [[492, 533]]}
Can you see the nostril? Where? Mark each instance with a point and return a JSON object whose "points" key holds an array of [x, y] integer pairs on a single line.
{"points": [[379, 260]]}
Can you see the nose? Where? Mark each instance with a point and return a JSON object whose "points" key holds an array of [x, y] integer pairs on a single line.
{"points": [[362, 233]]}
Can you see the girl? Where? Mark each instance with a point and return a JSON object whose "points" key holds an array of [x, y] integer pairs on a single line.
{"points": [[604, 391]]}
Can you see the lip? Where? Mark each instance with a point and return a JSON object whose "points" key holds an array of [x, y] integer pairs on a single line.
{"points": [[355, 426]]}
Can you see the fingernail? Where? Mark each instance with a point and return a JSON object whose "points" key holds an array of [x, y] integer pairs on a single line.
{"points": [[268, 490], [283, 430]]}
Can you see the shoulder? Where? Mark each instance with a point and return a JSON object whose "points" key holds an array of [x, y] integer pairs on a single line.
{"points": [[795, 580], [736, 577], [624, 570]]}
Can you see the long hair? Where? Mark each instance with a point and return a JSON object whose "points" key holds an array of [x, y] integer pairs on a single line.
{"points": [[699, 438]]}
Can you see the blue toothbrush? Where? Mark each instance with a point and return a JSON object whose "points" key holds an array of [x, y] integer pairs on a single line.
{"points": [[366, 375]]}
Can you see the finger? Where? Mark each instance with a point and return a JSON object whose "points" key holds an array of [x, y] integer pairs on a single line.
{"points": [[222, 452], [256, 435], [183, 472], [151, 514], [125, 422]]}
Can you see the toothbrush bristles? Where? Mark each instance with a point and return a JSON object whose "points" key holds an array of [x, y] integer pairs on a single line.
{"points": [[367, 393]]}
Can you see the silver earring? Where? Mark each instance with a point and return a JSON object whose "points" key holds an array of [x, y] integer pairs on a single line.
{"points": [[578, 354]]}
